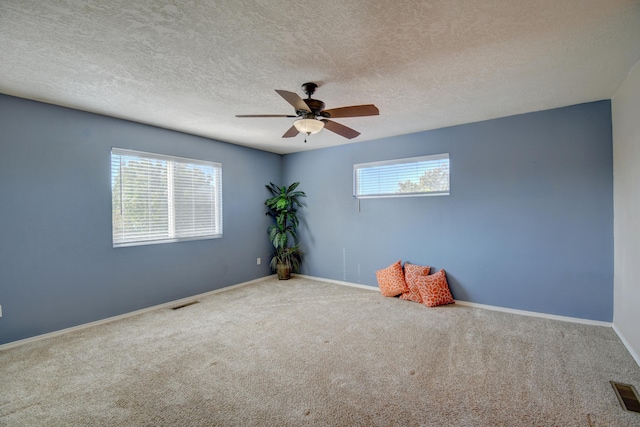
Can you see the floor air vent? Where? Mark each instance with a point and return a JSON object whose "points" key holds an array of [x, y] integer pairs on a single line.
{"points": [[627, 395], [184, 305]]}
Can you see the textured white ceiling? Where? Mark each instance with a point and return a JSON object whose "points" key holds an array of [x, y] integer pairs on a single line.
{"points": [[192, 65]]}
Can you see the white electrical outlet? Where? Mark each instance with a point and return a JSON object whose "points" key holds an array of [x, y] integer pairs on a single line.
{"points": [[0, 311], [258, 261]]}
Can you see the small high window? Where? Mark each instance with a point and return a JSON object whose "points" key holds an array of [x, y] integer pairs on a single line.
{"points": [[159, 199], [415, 176]]}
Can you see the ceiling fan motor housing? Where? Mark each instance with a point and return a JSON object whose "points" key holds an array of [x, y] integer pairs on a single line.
{"points": [[314, 105]]}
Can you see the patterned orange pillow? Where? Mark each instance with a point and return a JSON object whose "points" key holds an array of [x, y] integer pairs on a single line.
{"points": [[434, 289], [391, 280], [411, 273]]}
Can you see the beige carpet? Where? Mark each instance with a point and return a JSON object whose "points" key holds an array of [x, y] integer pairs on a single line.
{"points": [[302, 352]]}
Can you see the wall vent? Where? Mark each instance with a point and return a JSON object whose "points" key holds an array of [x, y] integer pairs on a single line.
{"points": [[627, 395], [177, 307]]}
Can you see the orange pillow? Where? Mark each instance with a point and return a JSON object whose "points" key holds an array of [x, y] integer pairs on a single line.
{"points": [[434, 289], [391, 280], [411, 273]]}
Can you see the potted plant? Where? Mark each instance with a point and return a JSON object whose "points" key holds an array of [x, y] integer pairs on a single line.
{"points": [[283, 205]]}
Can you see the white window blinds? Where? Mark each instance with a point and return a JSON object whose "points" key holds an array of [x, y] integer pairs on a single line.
{"points": [[415, 176], [159, 199]]}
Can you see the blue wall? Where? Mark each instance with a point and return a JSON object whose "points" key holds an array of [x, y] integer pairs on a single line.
{"points": [[57, 265], [528, 224]]}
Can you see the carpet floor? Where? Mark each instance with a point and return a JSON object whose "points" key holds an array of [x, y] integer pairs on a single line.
{"points": [[304, 352]]}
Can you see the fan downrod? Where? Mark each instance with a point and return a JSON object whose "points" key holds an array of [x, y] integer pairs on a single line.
{"points": [[309, 88], [315, 105]]}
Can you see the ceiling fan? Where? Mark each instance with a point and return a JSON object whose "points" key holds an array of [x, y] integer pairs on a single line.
{"points": [[312, 116]]}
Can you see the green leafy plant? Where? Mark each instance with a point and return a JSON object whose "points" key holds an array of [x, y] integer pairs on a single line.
{"points": [[283, 205]]}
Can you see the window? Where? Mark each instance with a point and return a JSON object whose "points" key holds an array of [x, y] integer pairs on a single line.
{"points": [[159, 199], [415, 176]]}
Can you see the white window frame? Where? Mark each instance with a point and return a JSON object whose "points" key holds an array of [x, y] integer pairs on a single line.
{"points": [[198, 228], [386, 169]]}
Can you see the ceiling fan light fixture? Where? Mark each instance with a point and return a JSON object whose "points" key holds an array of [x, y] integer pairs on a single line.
{"points": [[308, 126]]}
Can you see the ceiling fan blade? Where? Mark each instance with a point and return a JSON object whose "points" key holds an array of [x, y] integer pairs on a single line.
{"points": [[293, 99], [341, 130], [263, 115], [353, 111], [291, 132]]}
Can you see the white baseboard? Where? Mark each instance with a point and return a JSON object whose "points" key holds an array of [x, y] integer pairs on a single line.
{"points": [[536, 314], [338, 282], [483, 306], [630, 349], [125, 315]]}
